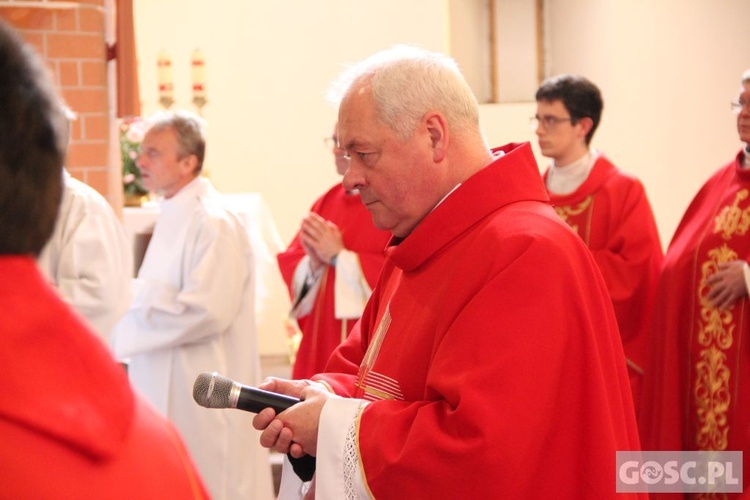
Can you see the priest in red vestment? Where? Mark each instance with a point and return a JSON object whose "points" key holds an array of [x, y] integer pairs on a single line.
{"points": [[70, 424], [330, 268], [607, 207], [487, 363], [698, 397]]}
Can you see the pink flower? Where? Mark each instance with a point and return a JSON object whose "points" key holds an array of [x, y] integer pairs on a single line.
{"points": [[135, 133], [128, 178]]}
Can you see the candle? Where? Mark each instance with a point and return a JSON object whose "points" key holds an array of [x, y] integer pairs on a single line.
{"points": [[198, 64], [166, 82]]}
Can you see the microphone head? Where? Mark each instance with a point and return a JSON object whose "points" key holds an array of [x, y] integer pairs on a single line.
{"points": [[212, 390]]}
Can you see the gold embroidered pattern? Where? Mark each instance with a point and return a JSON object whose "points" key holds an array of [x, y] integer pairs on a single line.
{"points": [[711, 391], [732, 220], [567, 213], [571, 211], [377, 386]]}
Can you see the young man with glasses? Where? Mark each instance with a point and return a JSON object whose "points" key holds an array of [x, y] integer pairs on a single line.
{"points": [[699, 376], [607, 207]]}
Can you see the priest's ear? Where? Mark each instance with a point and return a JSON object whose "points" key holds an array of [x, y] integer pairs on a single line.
{"points": [[189, 165], [435, 125], [585, 125]]}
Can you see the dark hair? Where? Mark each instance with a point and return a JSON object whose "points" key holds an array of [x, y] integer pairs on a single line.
{"points": [[33, 133], [581, 98]]}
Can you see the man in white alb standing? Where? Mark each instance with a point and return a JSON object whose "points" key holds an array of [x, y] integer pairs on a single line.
{"points": [[193, 311]]}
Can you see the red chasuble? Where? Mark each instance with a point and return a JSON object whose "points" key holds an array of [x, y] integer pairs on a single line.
{"points": [[321, 331], [611, 213], [489, 353], [698, 398], [70, 425]]}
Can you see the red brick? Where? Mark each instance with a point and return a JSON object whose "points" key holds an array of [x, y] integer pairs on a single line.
{"points": [[95, 126], [84, 3], [91, 174], [93, 74], [86, 100], [84, 46], [87, 2], [77, 173], [66, 20], [98, 178], [90, 21], [67, 74], [37, 40], [76, 130], [25, 18], [93, 154]]}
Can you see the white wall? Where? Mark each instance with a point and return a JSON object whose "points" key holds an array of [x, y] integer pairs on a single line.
{"points": [[667, 69], [269, 64]]}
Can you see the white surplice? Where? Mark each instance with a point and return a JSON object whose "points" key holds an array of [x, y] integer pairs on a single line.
{"points": [[89, 258], [192, 312]]}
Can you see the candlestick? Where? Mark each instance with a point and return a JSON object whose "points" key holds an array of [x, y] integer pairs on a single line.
{"points": [[166, 82], [199, 79]]}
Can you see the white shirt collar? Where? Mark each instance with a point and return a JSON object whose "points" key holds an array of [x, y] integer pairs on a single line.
{"points": [[565, 180]]}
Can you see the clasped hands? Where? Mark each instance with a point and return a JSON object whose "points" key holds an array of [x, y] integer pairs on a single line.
{"points": [[295, 430], [321, 239]]}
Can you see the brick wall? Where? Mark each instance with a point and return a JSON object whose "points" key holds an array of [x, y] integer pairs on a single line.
{"points": [[70, 36]]}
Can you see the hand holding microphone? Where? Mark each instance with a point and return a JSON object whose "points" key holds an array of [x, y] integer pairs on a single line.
{"points": [[212, 390]]}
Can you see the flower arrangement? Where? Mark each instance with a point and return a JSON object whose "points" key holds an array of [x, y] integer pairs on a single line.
{"points": [[132, 131]]}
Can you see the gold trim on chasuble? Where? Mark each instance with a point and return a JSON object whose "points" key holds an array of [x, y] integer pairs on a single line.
{"points": [[566, 212], [375, 385], [716, 329]]}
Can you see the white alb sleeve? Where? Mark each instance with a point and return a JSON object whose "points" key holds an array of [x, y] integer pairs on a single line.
{"points": [[351, 290], [338, 472]]}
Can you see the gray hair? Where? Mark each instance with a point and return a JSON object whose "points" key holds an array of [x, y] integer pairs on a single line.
{"points": [[406, 83], [189, 129]]}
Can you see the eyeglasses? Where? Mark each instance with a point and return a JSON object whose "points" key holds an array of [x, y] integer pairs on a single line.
{"points": [[738, 105], [331, 142], [548, 121]]}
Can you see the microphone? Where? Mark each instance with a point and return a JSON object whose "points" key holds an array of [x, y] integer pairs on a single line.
{"points": [[212, 390]]}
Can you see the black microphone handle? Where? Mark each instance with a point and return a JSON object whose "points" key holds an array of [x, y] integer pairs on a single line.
{"points": [[254, 400]]}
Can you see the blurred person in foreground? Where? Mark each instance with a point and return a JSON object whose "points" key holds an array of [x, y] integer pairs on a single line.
{"points": [[606, 206], [70, 424], [487, 362], [330, 268], [696, 398], [193, 309]]}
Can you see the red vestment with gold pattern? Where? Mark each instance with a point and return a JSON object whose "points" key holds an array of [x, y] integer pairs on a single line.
{"points": [[698, 397]]}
